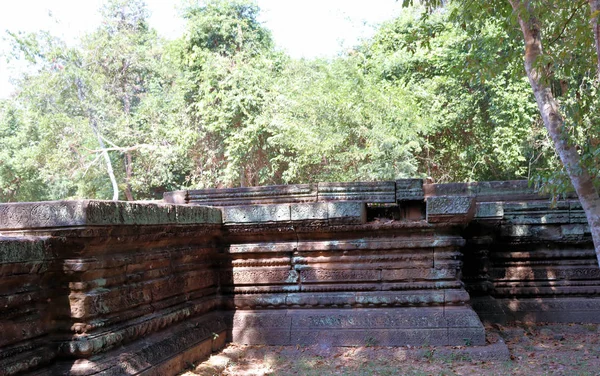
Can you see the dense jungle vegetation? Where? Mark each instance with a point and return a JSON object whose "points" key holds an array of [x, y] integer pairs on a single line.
{"points": [[128, 114]]}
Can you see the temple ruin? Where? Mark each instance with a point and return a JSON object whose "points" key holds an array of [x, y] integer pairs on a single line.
{"points": [[93, 287]]}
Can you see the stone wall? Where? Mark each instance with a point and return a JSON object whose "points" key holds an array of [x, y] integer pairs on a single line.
{"points": [[93, 287], [534, 262], [386, 283], [108, 288]]}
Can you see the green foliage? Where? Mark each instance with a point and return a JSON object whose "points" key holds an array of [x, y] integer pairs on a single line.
{"points": [[567, 65], [337, 122], [477, 122], [229, 66], [116, 81], [440, 95]]}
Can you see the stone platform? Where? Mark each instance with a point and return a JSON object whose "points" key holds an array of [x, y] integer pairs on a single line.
{"points": [[435, 326], [108, 288]]}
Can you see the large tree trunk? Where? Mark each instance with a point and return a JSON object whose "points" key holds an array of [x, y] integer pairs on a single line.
{"points": [[553, 120]]}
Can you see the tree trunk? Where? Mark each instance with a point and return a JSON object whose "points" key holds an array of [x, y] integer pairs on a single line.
{"points": [[595, 12], [553, 120], [128, 174], [94, 126]]}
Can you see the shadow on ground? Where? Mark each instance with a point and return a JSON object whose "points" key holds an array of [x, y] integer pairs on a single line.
{"points": [[531, 349]]}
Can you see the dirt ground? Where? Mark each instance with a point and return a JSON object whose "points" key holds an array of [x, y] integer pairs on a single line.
{"points": [[533, 349]]}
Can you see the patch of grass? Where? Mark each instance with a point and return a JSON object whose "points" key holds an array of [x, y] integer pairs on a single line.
{"points": [[428, 353], [370, 342], [453, 358], [591, 327]]}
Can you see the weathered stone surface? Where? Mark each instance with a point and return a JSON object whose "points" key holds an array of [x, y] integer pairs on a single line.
{"points": [[414, 297], [450, 209], [23, 249], [381, 191], [539, 309], [310, 211], [268, 336], [274, 194], [489, 211], [256, 214], [450, 189], [511, 190], [122, 287], [356, 327], [54, 214], [270, 247], [258, 276], [339, 299], [338, 275], [418, 274], [160, 353], [347, 212], [409, 190], [259, 301]]}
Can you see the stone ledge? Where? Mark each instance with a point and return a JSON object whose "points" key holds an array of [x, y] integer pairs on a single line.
{"points": [[162, 353], [274, 194], [369, 192], [23, 249], [338, 212], [256, 213], [375, 192], [489, 211], [409, 190], [359, 327], [538, 309], [53, 214], [450, 209]]}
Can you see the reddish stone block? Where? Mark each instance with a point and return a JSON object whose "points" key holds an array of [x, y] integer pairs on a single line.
{"points": [[259, 276], [338, 275]]}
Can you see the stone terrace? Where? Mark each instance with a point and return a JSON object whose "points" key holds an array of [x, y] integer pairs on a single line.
{"points": [[108, 288]]}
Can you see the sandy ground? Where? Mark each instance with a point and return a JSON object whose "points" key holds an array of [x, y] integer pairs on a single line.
{"points": [[533, 349]]}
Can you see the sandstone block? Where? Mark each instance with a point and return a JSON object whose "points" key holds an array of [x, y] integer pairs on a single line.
{"points": [[409, 190], [489, 211], [274, 194], [266, 247], [272, 337], [400, 298], [309, 211], [315, 275], [96, 213], [347, 212], [382, 191], [450, 209], [466, 336], [256, 214], [450, 189], [340, 299], [23, 249], [259, 275]]}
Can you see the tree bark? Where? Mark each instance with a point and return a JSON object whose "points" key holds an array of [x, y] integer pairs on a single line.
{"points": [[554, 123], [595, 12]]}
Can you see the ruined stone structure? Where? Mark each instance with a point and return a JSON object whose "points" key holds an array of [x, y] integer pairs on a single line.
{"points": [[109, 288]]}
